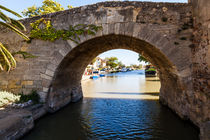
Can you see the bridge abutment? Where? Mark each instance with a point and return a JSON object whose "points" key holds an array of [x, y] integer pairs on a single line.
{"points": [[201, 62]]}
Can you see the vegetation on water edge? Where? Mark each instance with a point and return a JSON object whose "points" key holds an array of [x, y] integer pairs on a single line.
{"points": [[33, 96], [8, 98]]}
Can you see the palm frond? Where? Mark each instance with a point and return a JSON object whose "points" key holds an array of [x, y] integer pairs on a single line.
{"points": [[1, 67], [8, 59], [10, 11], [15, 30], [4, 17], [18, 24], [9, 56], [5, 59]]}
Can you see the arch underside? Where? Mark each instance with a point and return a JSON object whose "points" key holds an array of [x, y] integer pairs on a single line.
{"points": [[66, 84]]}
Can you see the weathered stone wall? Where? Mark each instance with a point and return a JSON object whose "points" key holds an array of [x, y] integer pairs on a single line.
{"points": [[162, 32], [201, 63]]}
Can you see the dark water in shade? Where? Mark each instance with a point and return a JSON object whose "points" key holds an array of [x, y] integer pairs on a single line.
{"points": [[113, 117]]}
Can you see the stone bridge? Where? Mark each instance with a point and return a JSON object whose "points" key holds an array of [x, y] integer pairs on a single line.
{"points": [[169, 35]]}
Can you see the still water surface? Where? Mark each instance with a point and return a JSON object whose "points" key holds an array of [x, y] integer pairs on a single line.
{"points": [[119, 106]]}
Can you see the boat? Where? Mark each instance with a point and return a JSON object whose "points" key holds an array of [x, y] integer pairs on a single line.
{"points": [[95, 72], [102, 75], [129, 69], [150, 71], [123, 70], [94, 77]]}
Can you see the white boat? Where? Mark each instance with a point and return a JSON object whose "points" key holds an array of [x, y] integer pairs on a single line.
{"points": [[123, 70]]}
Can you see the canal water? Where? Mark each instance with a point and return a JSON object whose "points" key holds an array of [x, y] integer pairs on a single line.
{"points": [[119, 106]]}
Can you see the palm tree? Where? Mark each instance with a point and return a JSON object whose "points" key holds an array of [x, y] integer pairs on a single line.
{"points": [[142, 59], [7, 61]]}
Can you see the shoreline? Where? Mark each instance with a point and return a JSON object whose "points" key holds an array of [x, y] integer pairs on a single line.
{"points": [[16, 122]]}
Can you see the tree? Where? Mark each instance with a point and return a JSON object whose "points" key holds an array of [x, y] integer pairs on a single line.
{"points": [[121, 65], [7, 61], [142, 59], [112, 62], [44, 30], [48, 6], [134, 66], [140, 66]]}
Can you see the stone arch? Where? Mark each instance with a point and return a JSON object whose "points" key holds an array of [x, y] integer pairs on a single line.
{"points": [[65, 86]]}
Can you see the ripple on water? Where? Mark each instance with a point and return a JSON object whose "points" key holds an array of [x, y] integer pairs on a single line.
{"points": [[118, 117]]}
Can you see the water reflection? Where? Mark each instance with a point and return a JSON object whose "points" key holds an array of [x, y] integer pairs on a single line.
{"points": [[115, 107], [129, 85]]}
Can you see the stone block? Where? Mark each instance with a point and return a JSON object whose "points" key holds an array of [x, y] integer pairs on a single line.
{"points": [[72, 44], [51, 67], [111, 28], [45, 89], [43, 96], [12, 84], [44, 76], [57, 58], [46, 83], [117, 28], [29, 77], [122, 29], [4, 82], [129, 28], [49, 72], [105, 29], [205, 131], [137, 27], [27, 83], [63, 52], [145, 33]]}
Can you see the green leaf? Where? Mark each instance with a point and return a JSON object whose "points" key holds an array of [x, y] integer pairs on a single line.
{"points": [[18, 24], [4, 17], [8, 59], [9, 56], [25, 54], [15, 30], [10, 11]]}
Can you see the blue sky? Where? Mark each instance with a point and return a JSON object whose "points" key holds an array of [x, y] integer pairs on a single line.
{"points": [[126, 56]]}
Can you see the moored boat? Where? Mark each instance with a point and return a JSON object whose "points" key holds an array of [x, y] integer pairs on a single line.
{"points": [[94, 77], [102, 75], [150, 71]]}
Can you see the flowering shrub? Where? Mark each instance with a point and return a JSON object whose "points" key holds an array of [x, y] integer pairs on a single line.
{"points": [[7, 97]]}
